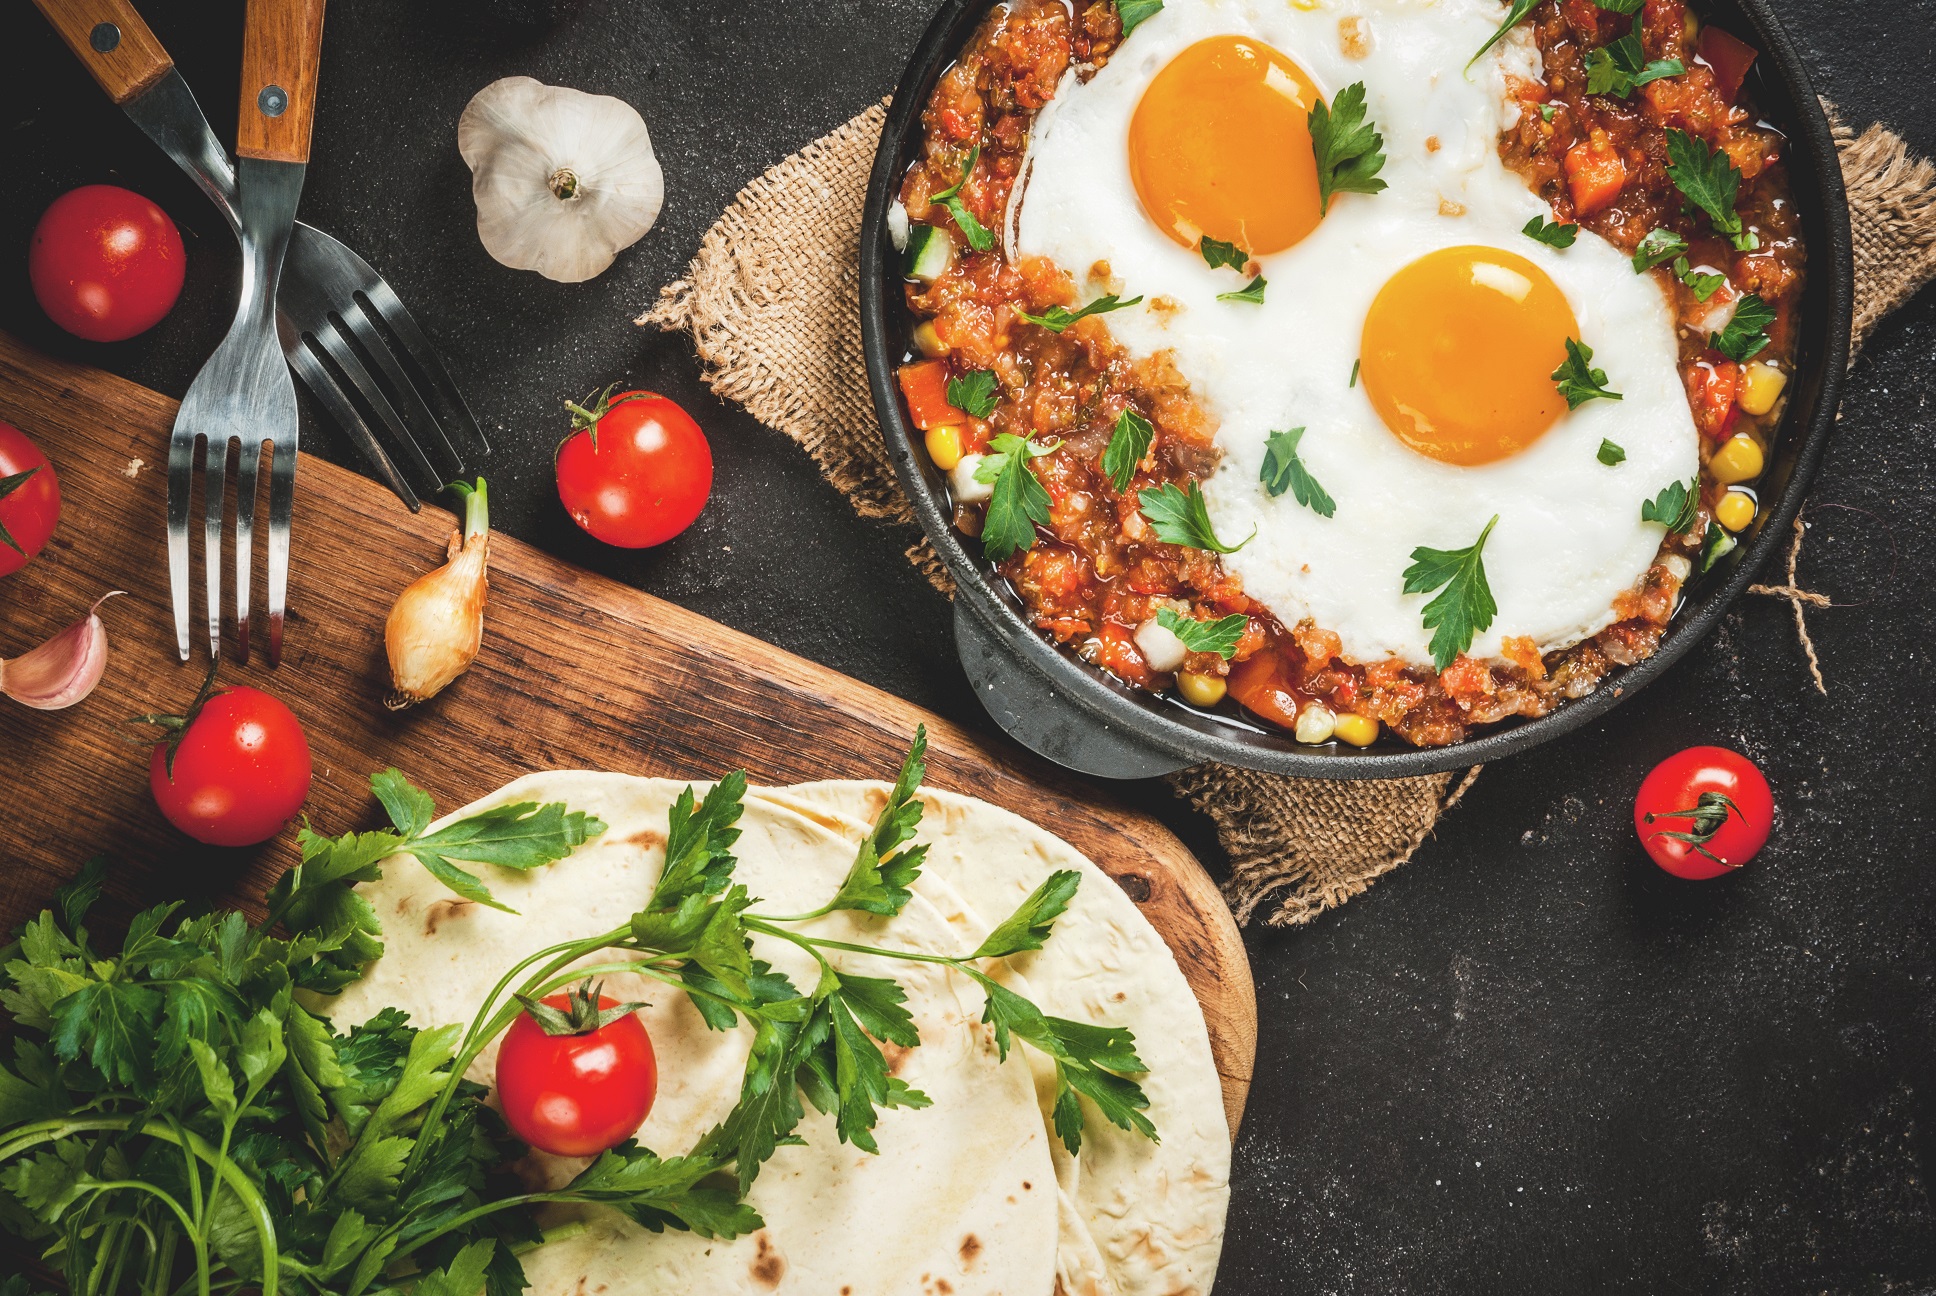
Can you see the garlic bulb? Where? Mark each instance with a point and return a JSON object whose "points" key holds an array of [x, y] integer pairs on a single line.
{"points": [[437, 625], [62, 671], [564, 181]]}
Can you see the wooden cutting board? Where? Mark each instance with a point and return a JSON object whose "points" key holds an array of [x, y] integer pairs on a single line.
{"points": [[687, 698]]}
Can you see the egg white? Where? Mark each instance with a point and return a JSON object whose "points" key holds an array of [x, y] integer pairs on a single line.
{"points": [[1569, 538]]}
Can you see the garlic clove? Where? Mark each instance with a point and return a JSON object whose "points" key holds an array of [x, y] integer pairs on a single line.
{"points": [[63, 670], [563, 180]]}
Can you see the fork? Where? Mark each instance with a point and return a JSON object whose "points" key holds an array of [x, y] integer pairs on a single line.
{"points": [[332, 308]]}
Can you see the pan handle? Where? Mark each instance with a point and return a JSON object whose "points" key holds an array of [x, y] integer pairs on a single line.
{"points": [[1029, 709], [112, 43]]}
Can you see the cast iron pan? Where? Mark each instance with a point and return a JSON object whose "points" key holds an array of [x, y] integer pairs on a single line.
{"points": [[1082, 717]]}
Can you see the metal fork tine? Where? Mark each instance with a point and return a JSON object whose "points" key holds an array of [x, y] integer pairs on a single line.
{"points": [[245, 492], [390, 308], [214, 493], [334, 345], [282, 503], [377, 347], [330, 394], [181, 488]]}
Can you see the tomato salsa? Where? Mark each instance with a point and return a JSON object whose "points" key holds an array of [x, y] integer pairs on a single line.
{"points": [[1095, 571]]}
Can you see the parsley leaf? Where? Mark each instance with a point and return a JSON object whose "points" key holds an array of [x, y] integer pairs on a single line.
{"points": [[1703, 286], [1548, 111], [1028, 927], [1349, 150], [1020, 502], [1128, 446], [1252, 292], [1618, 68], [1578, 381], [849, 1013], [1551, 233], [1057, 318], [1746, 334], [1092, 1061], [1710, 180], [971, 229], [1674, 508], [1219, 636], [1217, 253], [881, 873], [1466, 607], [1628, 7], [1514, 16], [1610, 454], [1134, 13], [1183, 518], [1284, 471], [974, 393], [8, 485], [1658, 248]]}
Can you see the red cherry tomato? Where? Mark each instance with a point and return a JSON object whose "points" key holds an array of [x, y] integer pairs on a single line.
{"points": [[576, 1094], [1704, 812], [106, 263], [639, 475], [241, 769], [30, 500]]}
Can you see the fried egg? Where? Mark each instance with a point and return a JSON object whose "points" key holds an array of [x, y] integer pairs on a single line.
{"points": [[1411, 333]]}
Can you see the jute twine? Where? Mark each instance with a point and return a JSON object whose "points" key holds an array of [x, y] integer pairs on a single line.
{"points": [[773, 306]]}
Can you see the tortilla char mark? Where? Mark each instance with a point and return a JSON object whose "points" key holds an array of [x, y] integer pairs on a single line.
{"points": [[768, 1266]]}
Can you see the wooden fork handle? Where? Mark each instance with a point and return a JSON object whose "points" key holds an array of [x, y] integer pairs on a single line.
{"points": [[112, 42], [282, 42]]}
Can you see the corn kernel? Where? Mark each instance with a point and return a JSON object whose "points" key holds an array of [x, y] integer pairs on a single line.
{"points": [[1735, 511], [927, 339], [1761, 387], [1738, 461], [1359, 731], [1201, 690], [944, 446], [1316, 723]]}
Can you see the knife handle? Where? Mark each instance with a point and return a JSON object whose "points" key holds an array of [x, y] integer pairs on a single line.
{"points": [[112, 43], [282, 41]]}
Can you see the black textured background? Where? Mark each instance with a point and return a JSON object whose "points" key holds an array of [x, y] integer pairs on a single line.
{"points": [[1526, 1062]]}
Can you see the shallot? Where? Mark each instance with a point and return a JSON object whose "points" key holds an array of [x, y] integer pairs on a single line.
{"points": [[63, 670], [437, 624]]}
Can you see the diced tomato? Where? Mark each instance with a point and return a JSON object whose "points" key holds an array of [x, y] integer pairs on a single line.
{"points": [[1116, 651], [1594, 173], [1712, 386], [1730, 58], [1466, 680], [1319, 646], [1263, 685], [926, 387]]}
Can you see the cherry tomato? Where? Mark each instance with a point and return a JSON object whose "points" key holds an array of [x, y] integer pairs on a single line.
{"points": [[583, 1089], [1704, 812], [30, 500], [106, 263], [637, 472], [240, 771]]}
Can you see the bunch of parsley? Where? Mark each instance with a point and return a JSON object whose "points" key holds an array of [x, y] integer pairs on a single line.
{"points": [[176, 1119]]}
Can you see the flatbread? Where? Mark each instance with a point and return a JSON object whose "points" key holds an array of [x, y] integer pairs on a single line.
{"points": [[961, 1198], [1140, 1218]]}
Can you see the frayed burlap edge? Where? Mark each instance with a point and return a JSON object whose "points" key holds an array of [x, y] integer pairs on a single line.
{"points": [[772, 303]]}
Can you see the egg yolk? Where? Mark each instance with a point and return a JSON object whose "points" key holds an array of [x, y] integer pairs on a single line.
{"points": [[1220, 147], [1459, 352]]}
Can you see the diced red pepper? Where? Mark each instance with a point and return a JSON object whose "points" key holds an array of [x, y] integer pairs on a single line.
{"points": [[926, 387], [1595, 174], [1263, 685], [1712, 387], [1730, 58]]}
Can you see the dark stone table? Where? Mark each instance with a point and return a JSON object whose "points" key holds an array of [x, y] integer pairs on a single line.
{"points": [[1526, 1062]]}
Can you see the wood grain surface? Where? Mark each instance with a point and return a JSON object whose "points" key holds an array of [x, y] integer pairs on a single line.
{"points": [[577, 672], [282, 43], [134, 63]]}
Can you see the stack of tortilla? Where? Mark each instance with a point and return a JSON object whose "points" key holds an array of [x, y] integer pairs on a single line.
{"points": [[973, 1196]]}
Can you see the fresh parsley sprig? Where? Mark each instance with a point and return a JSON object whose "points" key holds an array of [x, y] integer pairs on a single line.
{"points": [[1658, 248], [1747, 333], [1057, 318], [977, 234], [1284, 471], [1182, 517], [1709, 179], [1218, 254], [1251, 293], [1134, 13], [1514, 16], [974, 393], [1675, 507], [1578, 381], [1220, 636], [1552, 233], [1703, 286], [1619, 68], [1466, 608], [1610, 454], [1020, 502], [1129, 445], [1349, 149]]}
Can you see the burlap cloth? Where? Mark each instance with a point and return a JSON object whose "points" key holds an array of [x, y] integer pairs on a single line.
{"points": [[772, 304]]}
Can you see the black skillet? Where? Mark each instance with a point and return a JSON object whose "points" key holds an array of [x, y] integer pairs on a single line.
{"points": [[1080, 716]]}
